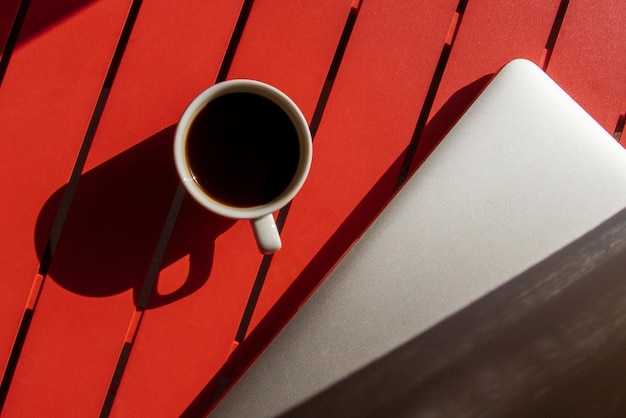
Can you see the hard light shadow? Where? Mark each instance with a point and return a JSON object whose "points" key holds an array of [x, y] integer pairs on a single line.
{"points": [[20, 20], [115, 221], [446, 117], [47, 14]]}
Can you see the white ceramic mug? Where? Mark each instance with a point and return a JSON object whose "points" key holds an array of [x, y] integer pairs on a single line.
{"points": [[237, 123]]}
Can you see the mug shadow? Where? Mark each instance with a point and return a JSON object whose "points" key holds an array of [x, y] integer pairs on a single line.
{"points": [[328, 256], [115, 221]]}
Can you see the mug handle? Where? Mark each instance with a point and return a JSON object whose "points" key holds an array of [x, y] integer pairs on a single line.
{"points": [[266, 234]]}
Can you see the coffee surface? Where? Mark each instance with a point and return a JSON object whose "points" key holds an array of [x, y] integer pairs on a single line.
{"points": [[243, 150]]}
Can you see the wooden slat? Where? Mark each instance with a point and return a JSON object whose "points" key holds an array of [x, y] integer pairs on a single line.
{"points": [[287, 44], [47, 96], [588, 60], [490, 35], [121, 202], [368, 123]]}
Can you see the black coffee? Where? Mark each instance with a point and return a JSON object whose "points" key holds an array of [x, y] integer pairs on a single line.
{"points": [[243, 149]]}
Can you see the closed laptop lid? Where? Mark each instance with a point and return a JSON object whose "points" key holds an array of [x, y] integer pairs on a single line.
{"points": [[523, 173]]}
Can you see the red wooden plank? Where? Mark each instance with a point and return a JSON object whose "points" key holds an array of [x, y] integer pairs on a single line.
{"points": [[287, 44], [118, 210], [368, 123], [490, 35], [46, 99], [588, 60]]}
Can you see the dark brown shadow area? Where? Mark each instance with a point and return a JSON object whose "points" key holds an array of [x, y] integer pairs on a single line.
{"points": [[38, 15], [360, 218], [115, 221], [22, 19], [9, 10], [548, 343], [43, 14]]}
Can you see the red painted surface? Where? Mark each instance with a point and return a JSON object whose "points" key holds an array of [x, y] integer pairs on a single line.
{"points": [[183, 344], [589, 60]]}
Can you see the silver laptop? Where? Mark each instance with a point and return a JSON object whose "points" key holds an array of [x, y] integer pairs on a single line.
{"points": [[523, 173]]}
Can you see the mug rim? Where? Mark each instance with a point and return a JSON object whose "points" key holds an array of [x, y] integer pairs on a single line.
{"points": [[264, 90]]}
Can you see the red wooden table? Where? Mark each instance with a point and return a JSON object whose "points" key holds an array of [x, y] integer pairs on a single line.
{"points": [[119, 295]]}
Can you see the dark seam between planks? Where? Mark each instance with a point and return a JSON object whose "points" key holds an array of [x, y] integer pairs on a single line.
{"points": [[14, 34], [429, 100], [234, 40], [554, 32], [14, 356], [619, 128]]}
